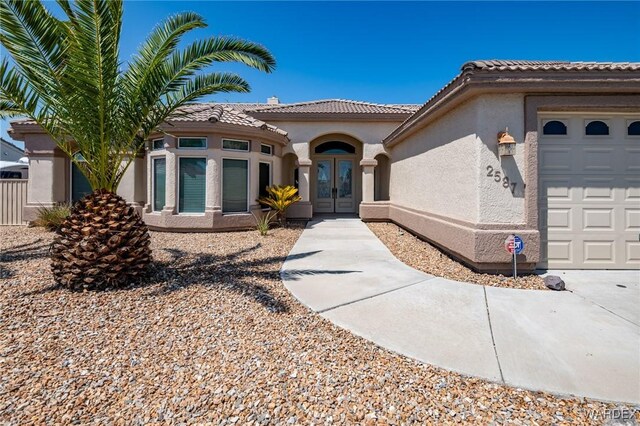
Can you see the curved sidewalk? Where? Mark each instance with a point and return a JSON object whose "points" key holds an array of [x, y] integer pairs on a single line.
{"points": [[580, 342]]}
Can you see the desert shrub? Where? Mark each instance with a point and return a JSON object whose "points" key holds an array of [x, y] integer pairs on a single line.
{"points": [[52, 217], [280, 198], [263, 222]]}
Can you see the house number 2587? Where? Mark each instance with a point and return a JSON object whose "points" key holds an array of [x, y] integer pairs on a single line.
{"points": [[497, 177]]}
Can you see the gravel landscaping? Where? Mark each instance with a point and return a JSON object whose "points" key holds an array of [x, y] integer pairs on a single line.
{"points": [[423, 256], [212, 336]]}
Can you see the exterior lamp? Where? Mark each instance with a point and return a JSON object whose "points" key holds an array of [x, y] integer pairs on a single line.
{"points": [[506, 144]]}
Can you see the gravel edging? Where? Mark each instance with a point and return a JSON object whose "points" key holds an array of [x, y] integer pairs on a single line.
{"points": [[214, 337], [421, 255]]}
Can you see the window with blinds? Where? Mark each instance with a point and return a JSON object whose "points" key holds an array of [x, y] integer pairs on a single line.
{"points": [[192, 186], [264, 179], [159, 183], [235, 180]]}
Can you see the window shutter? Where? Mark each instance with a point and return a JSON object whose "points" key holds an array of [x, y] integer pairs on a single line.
{"points": [[159, 182], [235, 177], [192, 185]]}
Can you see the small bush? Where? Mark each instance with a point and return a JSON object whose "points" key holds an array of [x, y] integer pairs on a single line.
{"points": [[52, 217], [263, 222], [280, 198]]}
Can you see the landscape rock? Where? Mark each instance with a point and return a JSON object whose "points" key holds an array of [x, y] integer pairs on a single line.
{"points": [[554, 282]]}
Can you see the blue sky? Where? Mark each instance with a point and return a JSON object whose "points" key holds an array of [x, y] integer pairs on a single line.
{"points": [[394, 52]]}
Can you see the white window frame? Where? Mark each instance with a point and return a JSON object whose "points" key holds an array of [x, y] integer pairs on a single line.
{"points": [[270, 149], [206, 184], [236, 140], [153, 147], [153, 181], [248, 160], [206, 142]]}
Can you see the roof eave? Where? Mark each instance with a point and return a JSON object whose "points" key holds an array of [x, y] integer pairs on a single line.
{"points": [[468, 84]]}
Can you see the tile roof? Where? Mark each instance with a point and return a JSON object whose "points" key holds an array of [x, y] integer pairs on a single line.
{"points": [[223, 114], [513, 65], [333, 106], [496, 67]]}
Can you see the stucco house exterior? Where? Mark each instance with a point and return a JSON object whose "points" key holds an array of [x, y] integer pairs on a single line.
{"points": [[570, 187]]}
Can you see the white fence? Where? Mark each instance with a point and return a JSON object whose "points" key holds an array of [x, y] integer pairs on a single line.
{"points": [[13, 197]]}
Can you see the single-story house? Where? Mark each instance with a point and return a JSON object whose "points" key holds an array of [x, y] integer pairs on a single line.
{"points": [[9, 152], [569, 186]]}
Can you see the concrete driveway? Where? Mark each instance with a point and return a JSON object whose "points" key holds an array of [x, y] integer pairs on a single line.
{"points": [[583, 342]]}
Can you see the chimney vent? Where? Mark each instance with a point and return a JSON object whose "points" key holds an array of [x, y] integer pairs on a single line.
{"points": [[273, 100]]}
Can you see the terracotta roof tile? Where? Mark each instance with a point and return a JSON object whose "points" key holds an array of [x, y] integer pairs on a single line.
{"points": [[224, 114], [511, 65], [333, 106]]}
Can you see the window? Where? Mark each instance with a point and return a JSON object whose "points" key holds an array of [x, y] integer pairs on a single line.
{"points": [[192, 177], [159, 183], [235, 181], [266, 149], [10, 175], [296, 178], [264, 179], [634, 128], [157, 144], [235, 145], [554, 127], [597, 128], [192, 143], [80, 185], [335, 147]]}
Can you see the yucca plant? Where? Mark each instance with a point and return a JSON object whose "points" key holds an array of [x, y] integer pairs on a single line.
{"points": [[67, 75], [280, 198], [263, 222]]}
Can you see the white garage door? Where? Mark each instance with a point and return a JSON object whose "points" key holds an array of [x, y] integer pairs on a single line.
{"points": [[589, 191]]}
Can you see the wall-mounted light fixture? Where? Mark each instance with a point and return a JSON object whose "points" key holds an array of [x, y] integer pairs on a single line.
{"points": [[506, 143]]}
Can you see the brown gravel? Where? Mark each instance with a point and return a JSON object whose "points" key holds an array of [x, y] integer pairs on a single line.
{"points": [[214, 337], [423, 256]]}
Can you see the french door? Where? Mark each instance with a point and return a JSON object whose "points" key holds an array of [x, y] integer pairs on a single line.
{"points": [[334, 185]]}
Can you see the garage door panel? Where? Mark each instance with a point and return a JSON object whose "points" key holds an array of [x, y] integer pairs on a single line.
{"points": [[559, 219], [632, 220], [600, 252], [597, 160], [560, 252], [556, 160], [632, 160], [632, 252], [555, 188], [589, 198], [598, 219], [600, 189]]}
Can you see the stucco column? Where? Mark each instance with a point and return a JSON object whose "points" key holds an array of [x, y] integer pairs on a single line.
{"points": [[47, 184], [304, 167], [170, 189], [368, 181], [213, 201]]}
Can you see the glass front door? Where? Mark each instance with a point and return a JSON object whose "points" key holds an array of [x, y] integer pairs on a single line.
{"points": [[334, 186]]}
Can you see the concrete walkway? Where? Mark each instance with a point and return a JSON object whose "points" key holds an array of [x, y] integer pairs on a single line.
{"points": [[583, 342]]}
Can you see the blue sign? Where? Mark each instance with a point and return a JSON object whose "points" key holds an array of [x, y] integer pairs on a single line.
{"points": [[514, 244]]}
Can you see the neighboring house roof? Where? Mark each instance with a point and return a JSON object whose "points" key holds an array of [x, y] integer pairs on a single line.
{"points": [[9, 151], [337, 106], [220, 113], [524, 77]]}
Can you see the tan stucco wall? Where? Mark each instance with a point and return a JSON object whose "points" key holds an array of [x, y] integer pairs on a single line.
{"points": [[440, 190], [435, 169]]}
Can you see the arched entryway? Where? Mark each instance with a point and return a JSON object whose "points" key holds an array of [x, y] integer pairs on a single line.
{"points": [[335, 174]]}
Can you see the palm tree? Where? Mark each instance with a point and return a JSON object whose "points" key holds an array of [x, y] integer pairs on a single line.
{"points": [[67, 76]]}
